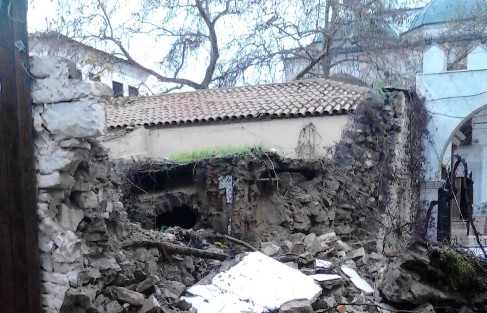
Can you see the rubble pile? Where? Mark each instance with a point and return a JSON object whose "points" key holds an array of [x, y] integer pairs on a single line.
{"points": [[322, 222]]}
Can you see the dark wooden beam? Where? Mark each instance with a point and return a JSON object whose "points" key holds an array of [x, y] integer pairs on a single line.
{"points": [[19, 252]]}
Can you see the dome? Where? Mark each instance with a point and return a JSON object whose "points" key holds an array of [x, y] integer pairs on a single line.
{"points": [[444, 11]]}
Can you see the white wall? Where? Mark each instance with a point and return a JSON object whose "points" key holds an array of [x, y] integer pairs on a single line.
{"points": [[280, 134]]}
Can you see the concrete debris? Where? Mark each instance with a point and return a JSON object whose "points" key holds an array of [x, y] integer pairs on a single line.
{"points": [[358, 281], [255, 283]]}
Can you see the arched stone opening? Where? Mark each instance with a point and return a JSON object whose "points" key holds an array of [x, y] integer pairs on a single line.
{"points": [[182, 216]]}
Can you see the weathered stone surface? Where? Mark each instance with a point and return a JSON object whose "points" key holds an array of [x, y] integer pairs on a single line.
{"points": [[113, 306], [297, 306], [55, 180], [86, 200], [147, 283], [81, 297], [53, 90], [105, 264], [78, 119], [88, 275], [49, 66], [150, 305], [356, 254], [56, 278], [270, 248], [125, 295], [69, 218]]}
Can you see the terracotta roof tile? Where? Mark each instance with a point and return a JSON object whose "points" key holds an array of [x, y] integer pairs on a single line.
{"points": [[283, 100]]}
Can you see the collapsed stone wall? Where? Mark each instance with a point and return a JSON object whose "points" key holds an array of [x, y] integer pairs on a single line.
{"points": [[367, 193], [66, 114], [94, 259]]}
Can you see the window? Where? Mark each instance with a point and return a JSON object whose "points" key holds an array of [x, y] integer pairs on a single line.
{"points": [[133, 91], [117, 89]]}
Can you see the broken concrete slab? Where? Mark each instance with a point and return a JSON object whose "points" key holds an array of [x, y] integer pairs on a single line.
{"points": [[255, 283], [358, 281]]}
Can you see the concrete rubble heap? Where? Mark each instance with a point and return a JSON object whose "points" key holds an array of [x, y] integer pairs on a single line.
{"points": [[300, 213]]}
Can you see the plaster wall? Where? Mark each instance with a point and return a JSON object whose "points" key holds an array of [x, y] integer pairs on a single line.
{"points": [[282, 135]]}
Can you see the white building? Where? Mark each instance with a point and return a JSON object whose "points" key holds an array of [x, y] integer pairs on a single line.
{"points": [[125, 78]]}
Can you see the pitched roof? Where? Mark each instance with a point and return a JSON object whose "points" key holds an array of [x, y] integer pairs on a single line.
{"points": [[313, 97]]}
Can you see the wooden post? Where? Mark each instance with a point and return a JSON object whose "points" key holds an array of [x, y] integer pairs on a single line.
{"points": [[19, 252]]}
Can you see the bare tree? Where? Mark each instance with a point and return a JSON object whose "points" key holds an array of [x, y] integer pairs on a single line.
{"points": [[213, 43], [199, 43], [339, 32]]}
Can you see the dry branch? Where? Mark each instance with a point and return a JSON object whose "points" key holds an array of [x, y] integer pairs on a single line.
{"points": [[240, 242], [170, 248]]}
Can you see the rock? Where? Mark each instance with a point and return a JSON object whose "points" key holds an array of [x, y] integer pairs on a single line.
{"points": [[52, 289], [49, 66], [147, 283], [287, 246], [56, 278], [81, 297], [344, 229], [176, 287], [327, 238], [105, 264], [54, 90], [150, 305], [69, 218], [400, 284], [88, 275], [356, 254], [312, 244], [270, 248], [125, 295], [73, 143], [113, 306], [78, 119], [86, 200], [55, 181], [52, 301], [342, 246], [298, 248], [296, 306], [425, 308]]}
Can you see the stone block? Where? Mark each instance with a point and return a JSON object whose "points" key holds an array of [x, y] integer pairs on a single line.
{"points": [[53, 90], [86, 200], [49, 66], [55, 180], [150, 305], [69, 218], [270, 248], [55, 278], [147, 283], [80, 119], [125, 295], [296, 306]]}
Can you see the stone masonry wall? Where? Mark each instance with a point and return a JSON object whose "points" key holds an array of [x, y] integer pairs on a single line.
{"points": [[66, 114]]}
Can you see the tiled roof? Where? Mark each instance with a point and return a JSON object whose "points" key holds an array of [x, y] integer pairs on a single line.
{"points": [[314, 97]]}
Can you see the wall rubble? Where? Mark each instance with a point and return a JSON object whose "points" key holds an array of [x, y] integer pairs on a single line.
{"points": [[368, 193]]}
